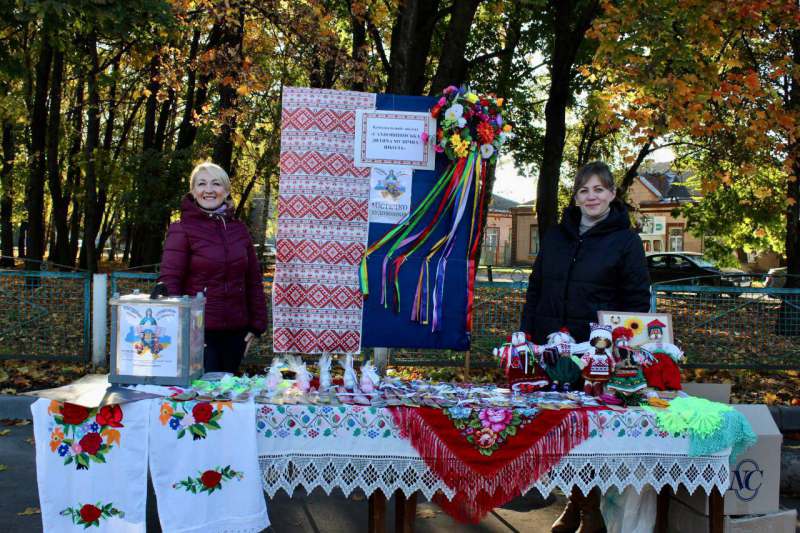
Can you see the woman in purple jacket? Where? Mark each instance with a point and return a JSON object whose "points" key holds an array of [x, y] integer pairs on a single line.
{"points": [[209, 251]]}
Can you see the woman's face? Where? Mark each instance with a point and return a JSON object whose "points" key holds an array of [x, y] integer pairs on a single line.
{"points": [[593, 197], [208, 192]]}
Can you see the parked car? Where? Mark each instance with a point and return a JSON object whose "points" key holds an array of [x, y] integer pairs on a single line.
{"points": [[776, 278], [672, 266]]}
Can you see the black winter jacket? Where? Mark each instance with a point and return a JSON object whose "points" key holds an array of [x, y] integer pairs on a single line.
{"points": [[575, 275]]}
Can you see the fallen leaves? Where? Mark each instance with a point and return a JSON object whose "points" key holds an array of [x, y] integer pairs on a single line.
{"points": [[4, 432], [30, 511]]}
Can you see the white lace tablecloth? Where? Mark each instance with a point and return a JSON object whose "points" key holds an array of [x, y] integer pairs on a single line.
{"points": [[349, 447]]}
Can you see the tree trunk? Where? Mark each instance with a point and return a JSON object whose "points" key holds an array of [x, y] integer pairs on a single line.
{"points": [[452, 69], [74, 174], [359, 50], [59, 246], [89, 251], [7, 197], [412, 35], [34, 189], [567, 40], [793, 186]]}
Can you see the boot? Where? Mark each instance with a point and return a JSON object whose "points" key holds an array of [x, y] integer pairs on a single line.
{"points": [[591, 518], [570, 518]]}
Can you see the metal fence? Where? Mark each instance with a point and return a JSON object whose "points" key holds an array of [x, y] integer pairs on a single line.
{"points": [[45, 315], [748, 327]]}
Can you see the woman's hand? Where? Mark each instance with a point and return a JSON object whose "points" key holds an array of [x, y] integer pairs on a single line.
{"points": [[248, 340]]}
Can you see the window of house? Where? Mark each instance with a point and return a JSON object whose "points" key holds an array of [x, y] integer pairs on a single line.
{"points": [[492, 237], [534, 248], [676, 239], [657, 245], [647, 246]]}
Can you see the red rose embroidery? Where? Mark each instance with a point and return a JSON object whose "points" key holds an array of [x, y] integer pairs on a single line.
{"points": [[210, 478], [202, 412], [90, 513], [91, 442], [110, 415], [74, 414]]}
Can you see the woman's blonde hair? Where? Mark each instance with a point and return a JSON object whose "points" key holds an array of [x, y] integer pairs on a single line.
{"points": [[214, 171]]}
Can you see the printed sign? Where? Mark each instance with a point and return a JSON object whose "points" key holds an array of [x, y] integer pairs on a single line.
{"points": [[146, 341], [394, 138], [654, 225], [389, 194]]}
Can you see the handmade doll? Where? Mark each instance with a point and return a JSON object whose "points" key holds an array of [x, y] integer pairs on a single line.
{"points": [[519, 358], [662, 372], [369, 378], [627, 378], [557, 359], [274, 377], [350, 381], [598, 363], [301, 374], [325, 372]]}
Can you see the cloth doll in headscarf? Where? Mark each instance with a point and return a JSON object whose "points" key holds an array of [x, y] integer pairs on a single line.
{"points": [[598, 363], [662, 372]]}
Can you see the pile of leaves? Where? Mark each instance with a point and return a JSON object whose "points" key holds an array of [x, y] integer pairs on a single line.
{"points": [[21, 376]]}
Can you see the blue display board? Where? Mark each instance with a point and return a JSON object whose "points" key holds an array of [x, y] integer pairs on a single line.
{"points": [[383, 326]]}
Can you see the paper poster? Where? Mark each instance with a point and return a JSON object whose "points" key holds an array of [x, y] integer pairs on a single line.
{"points": [[389, 194], [147, 340], [394, 138]]}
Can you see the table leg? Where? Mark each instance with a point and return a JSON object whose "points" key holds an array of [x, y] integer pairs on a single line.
{"points": [[376, 521], [405, 512], [716, 511], [662, 509]]}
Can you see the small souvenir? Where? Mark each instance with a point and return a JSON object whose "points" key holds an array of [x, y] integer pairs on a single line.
{"points": [[301, 374], [350, 380], [370, 379], [274, 377], [325, 372], [662, 372], [598, 365]]}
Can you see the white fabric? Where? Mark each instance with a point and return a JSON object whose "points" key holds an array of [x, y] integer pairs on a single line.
{"points": [[629, 512], [238, 504], [120, 481], [351, 447]]}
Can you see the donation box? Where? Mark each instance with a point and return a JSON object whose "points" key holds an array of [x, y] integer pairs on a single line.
{"points": [[156, 341]]}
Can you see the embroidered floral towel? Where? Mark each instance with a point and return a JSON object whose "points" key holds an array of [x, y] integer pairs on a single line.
{"points": [[204, 465], [81, 457]]}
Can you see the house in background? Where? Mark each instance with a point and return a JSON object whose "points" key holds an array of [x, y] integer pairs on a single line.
{"points": [[525, 239], [655, 195], [497, 238]]}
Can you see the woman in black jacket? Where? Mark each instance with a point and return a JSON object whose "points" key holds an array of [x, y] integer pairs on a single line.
{"points": [[591, 261]]}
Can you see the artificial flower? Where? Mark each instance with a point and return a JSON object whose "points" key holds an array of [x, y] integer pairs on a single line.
{"points": [[499, 102], [454, 112], [450, 89], [471, 97], [485, 132], [441, 101], [424, 136], [487, 150], [507, 127]]}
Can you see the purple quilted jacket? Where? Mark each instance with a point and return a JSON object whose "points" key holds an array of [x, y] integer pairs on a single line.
{"points": [[213, 253]]}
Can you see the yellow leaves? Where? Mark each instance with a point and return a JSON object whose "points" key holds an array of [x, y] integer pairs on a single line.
{"points": [[770, 398], [760, 233], [29, 511], [147, 93], [4, 432], [790, 201], [243, 90]]}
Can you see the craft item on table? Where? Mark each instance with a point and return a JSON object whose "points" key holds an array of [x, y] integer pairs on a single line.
{"points": [[627, 379], [470, 132], [325, 372], [350, 380], [518, 356], [489, 456], [662, 371], [210, 484], [274, 376], [597, 364], [301, 374], [655, 401], [82, 454], [370, 379], [711, 426], [557, 358]]}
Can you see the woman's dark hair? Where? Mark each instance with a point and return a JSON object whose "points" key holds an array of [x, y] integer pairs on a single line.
{"points": [[595, 168]]}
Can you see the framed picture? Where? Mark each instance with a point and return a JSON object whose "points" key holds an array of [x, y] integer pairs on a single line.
{"points": [[646, 327]]}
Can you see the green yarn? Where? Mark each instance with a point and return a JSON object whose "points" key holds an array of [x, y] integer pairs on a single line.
{"points": [[711, 426]]}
